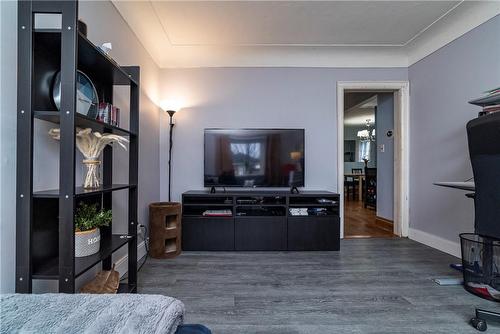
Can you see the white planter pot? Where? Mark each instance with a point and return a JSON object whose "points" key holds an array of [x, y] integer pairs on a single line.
{"points": [[87, 242]]}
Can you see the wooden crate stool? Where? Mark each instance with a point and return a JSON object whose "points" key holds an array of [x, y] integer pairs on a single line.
{"points": [[165, 229]]}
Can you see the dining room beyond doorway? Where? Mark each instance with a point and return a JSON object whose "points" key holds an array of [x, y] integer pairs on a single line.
{"points": [[367, 191]]}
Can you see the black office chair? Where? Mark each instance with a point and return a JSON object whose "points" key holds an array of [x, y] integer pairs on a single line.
{"points": [[484, 147]]}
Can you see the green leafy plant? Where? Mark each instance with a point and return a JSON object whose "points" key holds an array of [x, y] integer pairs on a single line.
{"points": [[89, 217]]}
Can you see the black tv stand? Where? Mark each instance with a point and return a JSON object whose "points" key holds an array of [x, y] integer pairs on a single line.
{"points": [[261, 220], [294, 190]]}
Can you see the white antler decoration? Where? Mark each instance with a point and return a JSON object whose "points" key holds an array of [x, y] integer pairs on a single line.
{"points": [[91, 144]]}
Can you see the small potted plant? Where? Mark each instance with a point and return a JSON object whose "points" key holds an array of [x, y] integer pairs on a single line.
{"points": [[88, 220]]}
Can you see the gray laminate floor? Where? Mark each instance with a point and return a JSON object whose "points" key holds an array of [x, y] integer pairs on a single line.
{"points": [[370, 286]]}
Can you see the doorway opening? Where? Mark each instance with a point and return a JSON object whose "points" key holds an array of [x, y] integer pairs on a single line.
{"points": [[368, 164], [373, 158]]}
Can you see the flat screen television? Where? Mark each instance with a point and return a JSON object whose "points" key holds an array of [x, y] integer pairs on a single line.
{"points": [[254, 158]]}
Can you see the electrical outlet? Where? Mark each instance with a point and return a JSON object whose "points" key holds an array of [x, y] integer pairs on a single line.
{"points": [[141, 231]]}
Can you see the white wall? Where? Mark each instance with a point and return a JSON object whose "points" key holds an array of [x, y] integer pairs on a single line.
{"points": [[104, 25], [259, 98]]}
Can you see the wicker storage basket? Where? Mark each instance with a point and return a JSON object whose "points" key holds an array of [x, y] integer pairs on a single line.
{"points": [[105, 282]]}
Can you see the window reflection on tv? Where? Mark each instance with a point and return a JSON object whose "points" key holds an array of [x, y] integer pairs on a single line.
{"points": [[254, 157]]}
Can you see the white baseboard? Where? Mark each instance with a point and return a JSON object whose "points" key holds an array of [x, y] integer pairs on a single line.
{"points": [[121, 265], [444, 245]]}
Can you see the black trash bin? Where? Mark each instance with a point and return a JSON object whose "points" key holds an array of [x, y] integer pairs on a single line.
{"points": [[481, 265]]}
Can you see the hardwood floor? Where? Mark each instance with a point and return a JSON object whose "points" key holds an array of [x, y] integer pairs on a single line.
{"points": [[360, 222], [370, 286]]}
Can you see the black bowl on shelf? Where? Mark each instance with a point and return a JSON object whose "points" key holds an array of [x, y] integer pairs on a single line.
{"points": [[82, 27]]}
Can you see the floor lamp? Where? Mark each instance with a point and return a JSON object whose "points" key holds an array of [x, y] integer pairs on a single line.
{"points": [[171, 123]]}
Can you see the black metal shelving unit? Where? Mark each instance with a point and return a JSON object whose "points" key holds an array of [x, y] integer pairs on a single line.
{"points": [[45, 219]]}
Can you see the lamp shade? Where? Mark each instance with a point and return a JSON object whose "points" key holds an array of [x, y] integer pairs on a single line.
{"points": [[170, 106]]}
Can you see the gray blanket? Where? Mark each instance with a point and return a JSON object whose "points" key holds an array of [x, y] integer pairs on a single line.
{"points": [[83, 313]]}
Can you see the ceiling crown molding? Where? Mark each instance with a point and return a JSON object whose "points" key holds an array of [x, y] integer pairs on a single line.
{"points": [[469, 15]]}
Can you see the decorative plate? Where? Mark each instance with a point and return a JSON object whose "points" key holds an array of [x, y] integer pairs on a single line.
{"points": [[87, 101]]}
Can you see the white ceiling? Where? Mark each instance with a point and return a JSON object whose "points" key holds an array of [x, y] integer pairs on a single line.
{"points": [[297, 22], [232, 33], [358, 114]]}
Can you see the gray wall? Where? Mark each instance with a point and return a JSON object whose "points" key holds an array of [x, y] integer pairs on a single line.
{"points": [[104, 25], [385, 160], [441, 84], [8, 91], [259, 97]]}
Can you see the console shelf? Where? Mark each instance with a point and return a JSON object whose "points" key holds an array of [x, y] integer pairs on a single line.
{"points": [[49, 269], [83, 121], [80, 191], [260, 211], [261, 220]]}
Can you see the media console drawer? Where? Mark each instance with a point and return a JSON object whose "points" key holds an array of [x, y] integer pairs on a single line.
{"points": [[208, 233], [260, 233], [314, 233]]}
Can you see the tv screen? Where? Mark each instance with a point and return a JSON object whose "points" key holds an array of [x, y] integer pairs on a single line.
{"points": [[254, 157]]}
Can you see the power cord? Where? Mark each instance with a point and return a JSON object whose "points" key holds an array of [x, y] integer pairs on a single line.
{"points": [[145, 234]]}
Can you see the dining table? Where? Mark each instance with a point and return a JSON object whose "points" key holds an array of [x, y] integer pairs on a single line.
{"points": [[360, 177]]}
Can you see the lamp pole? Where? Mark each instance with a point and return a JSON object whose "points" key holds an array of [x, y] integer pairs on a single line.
{"points": [[170, 144]]}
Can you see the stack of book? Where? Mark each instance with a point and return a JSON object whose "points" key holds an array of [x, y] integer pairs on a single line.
{"points": [[218, 213], [299, 212], [317, 211], [490, 101], [109, 114], [490, 109]]}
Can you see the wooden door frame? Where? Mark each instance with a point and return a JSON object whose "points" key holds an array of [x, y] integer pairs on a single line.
{"points": [[401, 91]]}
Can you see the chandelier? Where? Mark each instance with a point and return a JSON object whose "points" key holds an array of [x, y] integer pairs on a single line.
{"points": [[367, 134]]}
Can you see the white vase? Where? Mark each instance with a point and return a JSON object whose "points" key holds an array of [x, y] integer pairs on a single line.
{"points": [[87, 242], [91, 173]]}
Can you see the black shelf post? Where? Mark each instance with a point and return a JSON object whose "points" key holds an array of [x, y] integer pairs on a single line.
{"points": [[67, 147], [24, 180], [134, 73], [107, 198]]}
